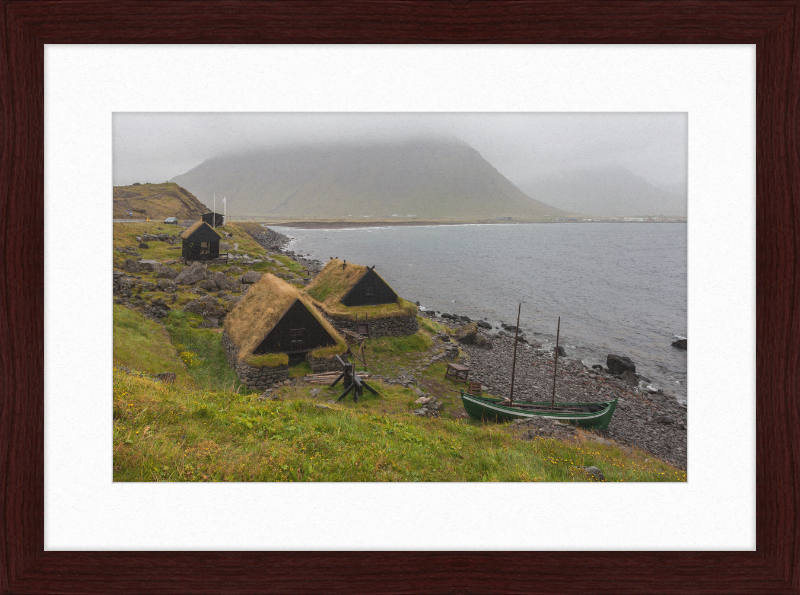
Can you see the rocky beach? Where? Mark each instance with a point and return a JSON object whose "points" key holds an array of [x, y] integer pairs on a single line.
{"points": [[646, 417]]}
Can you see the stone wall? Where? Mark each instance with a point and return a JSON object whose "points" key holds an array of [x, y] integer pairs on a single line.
{"points": [[252, 377], [324, 364], [397, 326]]}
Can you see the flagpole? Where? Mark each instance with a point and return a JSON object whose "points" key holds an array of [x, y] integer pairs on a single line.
{"points": [[214, 216], [224, 209]]}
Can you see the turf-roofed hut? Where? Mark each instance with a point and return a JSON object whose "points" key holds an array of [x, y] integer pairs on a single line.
{"points": [[200, 242], [213, 219], [273, 327], [347, 292]]}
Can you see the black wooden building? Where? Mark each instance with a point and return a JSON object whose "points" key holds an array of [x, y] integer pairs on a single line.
{"points": [[200, 242], [296, 332], [214, 219], [370, 290], [274, 317]]}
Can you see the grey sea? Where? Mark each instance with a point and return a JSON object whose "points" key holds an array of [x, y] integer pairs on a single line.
{"points": [[618, 287]]}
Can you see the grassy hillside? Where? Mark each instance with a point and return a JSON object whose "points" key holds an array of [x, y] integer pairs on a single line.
{"points": [[426, 179], [142, 344], [209, 427], [156, 201], [166, 433]]}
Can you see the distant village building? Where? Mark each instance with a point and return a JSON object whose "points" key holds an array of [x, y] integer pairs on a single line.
{"points": [[200, 242], [504, 218], [214, 219], [274, 327], [347, 293]]}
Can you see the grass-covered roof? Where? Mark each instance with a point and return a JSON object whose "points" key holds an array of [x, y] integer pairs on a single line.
{"points": [[260, 310], [335, 280], [207, 233]]}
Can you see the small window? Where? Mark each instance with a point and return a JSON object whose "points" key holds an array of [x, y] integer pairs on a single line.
{"points": [[296, 336]]}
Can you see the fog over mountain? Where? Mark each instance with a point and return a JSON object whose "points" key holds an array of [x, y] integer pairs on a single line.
{"points": [[609, 192], [423, 178], [551, 154]]}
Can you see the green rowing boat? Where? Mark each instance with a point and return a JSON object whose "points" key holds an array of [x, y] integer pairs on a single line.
{"points": [[587, 415]]}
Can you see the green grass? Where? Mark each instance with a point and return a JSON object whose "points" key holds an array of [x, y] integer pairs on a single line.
{"points": [[301, 369], [164, 433], [125, 235], [207, 363], [396, 309], [331, 350], [421, 341], [268, 360], [431, 326], [141, 344]]}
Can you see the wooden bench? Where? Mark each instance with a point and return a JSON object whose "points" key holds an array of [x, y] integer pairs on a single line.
{"points": [[457, 372]]}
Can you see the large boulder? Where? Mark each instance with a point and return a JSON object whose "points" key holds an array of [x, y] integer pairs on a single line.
{"points": [[131, 266], [483, 342], [617, 364], [221, 281], [167, 286], [250, 277], [467, 333], [192, 274], [207, 306], [157, 309], [166, 272], [208, 285], [629, 378], [484, 324], [149, 265]]}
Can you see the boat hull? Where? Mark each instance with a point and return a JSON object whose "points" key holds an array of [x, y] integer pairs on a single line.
{"points": [[487, 409]]}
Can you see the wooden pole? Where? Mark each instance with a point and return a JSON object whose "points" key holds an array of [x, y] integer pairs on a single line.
{"points": [[555, 367], [514, 363]]}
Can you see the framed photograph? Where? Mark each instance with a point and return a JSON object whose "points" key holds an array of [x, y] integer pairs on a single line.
{"points": [[356, 539]]}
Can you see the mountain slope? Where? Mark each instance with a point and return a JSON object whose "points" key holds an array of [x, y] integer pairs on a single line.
{"points": [[610, 192], [424, 178], [156, 201]]}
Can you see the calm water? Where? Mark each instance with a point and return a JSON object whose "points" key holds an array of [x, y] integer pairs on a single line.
{"points": [[618, 287]]}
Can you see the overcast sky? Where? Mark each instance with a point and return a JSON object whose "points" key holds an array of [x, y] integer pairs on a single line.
{"points": [[155, 147]]}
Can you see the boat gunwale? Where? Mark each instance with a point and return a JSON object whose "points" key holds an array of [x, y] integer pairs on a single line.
{"points": [[495, 405]]}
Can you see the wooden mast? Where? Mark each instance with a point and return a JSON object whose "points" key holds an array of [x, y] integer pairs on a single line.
{"points": [[555, 367], [514, 363]]}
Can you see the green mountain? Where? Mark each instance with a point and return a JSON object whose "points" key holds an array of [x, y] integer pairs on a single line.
{"points": [[156, 201], [428, 179]]}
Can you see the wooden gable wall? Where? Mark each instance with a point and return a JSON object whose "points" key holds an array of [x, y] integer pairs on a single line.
{"points": [[369, 291], [296, 331], [209, 218]]}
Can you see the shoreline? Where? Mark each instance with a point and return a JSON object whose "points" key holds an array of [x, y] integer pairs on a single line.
{"points": [[654, 420], [586, 353], [342, 224]]}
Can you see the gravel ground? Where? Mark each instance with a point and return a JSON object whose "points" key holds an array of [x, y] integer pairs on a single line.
{"points": [[653, 422]]}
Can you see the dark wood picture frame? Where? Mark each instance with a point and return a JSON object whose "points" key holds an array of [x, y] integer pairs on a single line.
{"points": [[773, 25]]}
